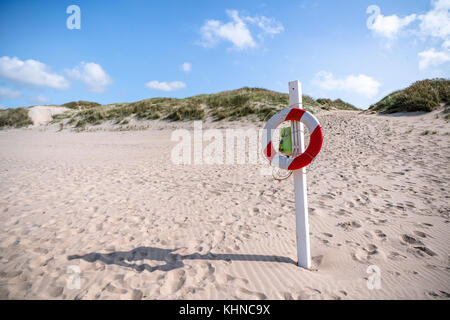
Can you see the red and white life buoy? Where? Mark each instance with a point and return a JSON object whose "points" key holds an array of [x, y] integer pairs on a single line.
{"points": [[315, 141]]}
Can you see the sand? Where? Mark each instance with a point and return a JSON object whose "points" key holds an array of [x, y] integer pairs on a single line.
{"points": [[111, 205]]}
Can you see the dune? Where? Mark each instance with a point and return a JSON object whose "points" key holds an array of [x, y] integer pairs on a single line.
{"points": [[107, 215], [42, 115]]}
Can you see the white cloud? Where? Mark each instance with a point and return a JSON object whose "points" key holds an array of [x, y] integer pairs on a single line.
{"points": [[436, 22], [387, 26], [431, 57], [166, 86], [30, 72], [7, 93], [237, 31], [268, 25], [433, 24], [93, 76], [186, 67], [362, 84]]}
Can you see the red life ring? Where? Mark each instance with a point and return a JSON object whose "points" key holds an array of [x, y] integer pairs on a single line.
{"points": [[315, 141]]}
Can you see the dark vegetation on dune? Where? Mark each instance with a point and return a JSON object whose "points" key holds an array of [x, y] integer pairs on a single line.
{"points": [[425, 95], [228, 105], [81, 105], [16, 118], [329, 104], [252, 103]]}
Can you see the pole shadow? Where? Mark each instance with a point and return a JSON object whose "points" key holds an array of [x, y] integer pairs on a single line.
{"points": [[172, 260]]}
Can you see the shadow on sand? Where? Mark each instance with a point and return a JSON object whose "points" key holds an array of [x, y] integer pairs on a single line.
{"points": [[172, 260]]}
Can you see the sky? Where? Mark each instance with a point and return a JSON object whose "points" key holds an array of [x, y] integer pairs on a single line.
{"points": [[53, 52]]}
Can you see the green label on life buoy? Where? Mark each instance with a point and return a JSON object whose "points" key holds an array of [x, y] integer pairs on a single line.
{"points": [[285, 142]]}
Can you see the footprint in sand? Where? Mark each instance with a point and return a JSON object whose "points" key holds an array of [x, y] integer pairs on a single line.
{"points": [[363, 255], [393, 255], [419, 250], [324, 241], [368, 235], [242, 293], [411, 240], [308, 294], [316, 261], [55, 292], [327, 196], [440, 294], [349, 225], [417, 247], [239, 283], [206, 271], [226, 279], [343, 212], [136, 294], [287, 296], [420, 234], [173, 282], [380, 234], [113, 289], [371, 249]]}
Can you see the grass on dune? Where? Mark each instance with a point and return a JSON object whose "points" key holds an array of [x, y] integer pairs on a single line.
{"points": [[446, 112], [16, 118], [228, 105], [256, 102], [336, 104], [81, 105], [425, 95], [252, 103], [149, 109]]}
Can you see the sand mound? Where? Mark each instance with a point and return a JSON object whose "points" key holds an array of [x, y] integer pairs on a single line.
{"points": [[41, 115]]}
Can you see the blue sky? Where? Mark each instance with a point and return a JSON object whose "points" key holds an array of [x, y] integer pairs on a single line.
{"points": [[132, 50]]}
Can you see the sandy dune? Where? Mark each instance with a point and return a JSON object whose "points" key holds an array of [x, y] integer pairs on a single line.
{"points": [[139, 227]]}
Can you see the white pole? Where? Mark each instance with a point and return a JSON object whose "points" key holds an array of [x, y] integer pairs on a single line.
{"points": [[301, 200]]}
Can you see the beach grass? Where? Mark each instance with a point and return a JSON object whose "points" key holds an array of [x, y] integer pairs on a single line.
{"points": [[80, 105], [15, 118], [329, 104], [255, 103], [425, 95]]}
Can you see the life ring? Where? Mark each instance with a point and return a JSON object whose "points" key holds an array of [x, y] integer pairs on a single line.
{"points": [[315, 141]]}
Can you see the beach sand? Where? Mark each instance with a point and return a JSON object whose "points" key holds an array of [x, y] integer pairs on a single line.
{"points": [[112, 205]]}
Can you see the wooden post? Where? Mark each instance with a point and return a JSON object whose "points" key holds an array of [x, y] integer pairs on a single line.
{"points": [[301, 201]]}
